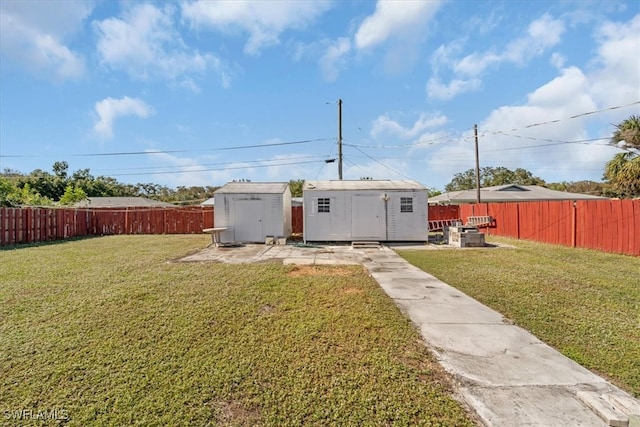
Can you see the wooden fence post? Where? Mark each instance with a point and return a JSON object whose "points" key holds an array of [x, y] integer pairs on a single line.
{"points": [[574, 224]]}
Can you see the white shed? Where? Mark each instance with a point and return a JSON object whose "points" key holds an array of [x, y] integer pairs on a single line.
{"points": [[375, 210], [251, 211]]}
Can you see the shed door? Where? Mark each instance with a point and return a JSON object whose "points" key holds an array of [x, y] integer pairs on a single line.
{"points": [[368, 220], [248, 221]]}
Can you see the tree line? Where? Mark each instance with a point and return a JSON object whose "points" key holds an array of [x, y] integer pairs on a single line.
{"points": [[42, 188]]}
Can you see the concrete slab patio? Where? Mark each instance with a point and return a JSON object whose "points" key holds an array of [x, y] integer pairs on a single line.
{"points": [[508, 376]]}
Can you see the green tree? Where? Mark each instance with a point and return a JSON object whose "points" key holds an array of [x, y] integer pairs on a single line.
{"points": [[433, 192], [295, 185], [584, 187], [60, 169], [28, 196], [492, 176], [628, 133], [72, 194], [622, 172], [8, 192]]}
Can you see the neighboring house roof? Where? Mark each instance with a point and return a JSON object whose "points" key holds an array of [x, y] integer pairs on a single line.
{"points": [[362, 184], [121, 202], [296, 201], [208, 202], [253, 187], [509, 193]]}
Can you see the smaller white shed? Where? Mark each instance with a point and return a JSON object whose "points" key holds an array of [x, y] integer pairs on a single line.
{"points": [[251, 211], [362, 210]]}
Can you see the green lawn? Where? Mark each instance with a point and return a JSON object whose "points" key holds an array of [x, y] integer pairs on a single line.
{"points": [[107, 331], [582, 302]]}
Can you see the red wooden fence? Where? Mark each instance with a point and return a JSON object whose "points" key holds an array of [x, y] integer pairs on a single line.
{"points": [[439, 213], [606, 225], [29, 225]]}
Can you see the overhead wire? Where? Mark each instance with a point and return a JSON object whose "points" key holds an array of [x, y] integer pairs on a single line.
{"points": [[212, 164], [146, 152], [215, 169], [382, 164], [602, 110]]}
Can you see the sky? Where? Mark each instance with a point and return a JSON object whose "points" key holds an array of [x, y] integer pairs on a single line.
{"points": [[184, 93]]}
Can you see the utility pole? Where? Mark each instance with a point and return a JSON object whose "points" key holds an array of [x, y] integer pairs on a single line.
{"points": [[340, 139], [475, 131]]}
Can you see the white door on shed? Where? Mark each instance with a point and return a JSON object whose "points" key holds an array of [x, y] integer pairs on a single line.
{"points": [[248, 220], [368, 220]]}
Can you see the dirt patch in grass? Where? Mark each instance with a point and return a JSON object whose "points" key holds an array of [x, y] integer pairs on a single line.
{"points": [[315, 270], [230, 413]]}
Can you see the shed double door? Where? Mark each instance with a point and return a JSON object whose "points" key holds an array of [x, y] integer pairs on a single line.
{"points": [[368, 218], [248, 221]]}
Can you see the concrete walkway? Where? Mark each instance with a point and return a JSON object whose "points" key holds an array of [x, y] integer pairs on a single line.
{"points": [[508, 376]]}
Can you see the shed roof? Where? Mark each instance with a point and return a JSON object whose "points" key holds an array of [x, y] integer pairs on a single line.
{"points": [[121, 202], [363, 184], [253, 187], [509, 193]]}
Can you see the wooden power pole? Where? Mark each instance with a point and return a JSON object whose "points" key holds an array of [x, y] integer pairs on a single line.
{"points": [[340, 139], [475, 131]]}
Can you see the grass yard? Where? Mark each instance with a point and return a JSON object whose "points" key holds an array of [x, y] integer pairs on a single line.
{"points": [[106, 331], [584, 303]]}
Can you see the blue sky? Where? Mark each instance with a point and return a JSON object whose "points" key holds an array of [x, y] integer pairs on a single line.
{"points": [[204, 92]]}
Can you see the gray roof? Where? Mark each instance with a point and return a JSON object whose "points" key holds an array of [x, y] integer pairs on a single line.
{"points": [[121, 202], [253, 187], [209, 202], [363, 184], [509, 193]]}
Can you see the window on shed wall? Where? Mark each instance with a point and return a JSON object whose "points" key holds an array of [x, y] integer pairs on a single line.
{"points": [[406, 204], [324, 205]]}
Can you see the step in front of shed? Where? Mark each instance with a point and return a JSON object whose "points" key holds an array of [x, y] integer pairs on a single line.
{"points": [[366, 245]]}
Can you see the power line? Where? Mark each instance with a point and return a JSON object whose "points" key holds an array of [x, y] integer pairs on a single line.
{"points": [[134, 153], [215, 169], [213, 164], [433, 141], [602, 110], [382, 164]]}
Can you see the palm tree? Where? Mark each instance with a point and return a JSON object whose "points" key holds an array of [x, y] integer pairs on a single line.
{"points": [[623, 171], [629, 132]]}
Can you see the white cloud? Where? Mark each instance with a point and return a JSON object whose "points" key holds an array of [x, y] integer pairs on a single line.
{"points": [[401, 27], [507, 137], [263, 21], [542, 34], [570, 83], [333, 59], [384, 125], [110, 109], [616, 70], [557, 60], [145, 44], [438, 90], [394, 19], [34, 37]]}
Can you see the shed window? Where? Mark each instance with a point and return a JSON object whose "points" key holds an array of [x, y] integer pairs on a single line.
{"points": [[406, 204], [324, 204]]}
